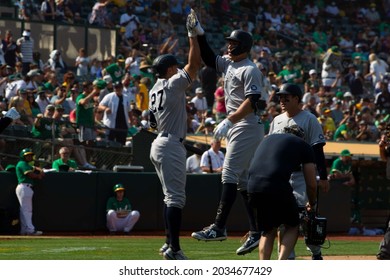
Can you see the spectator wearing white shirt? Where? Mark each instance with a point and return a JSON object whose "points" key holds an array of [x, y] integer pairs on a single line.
{"points": [[133, 62], [332, 10], [131, 86], [15, 82], [129, 21], [2, 49], [35, 79], [212, 160], [71, 100], [311, 10], [346, 44], [26, 47], [42, 99], [82, 63], [200, 102], [99, 14], [193, 162], [312, 93], [372, 15], [378, 67], [275, 19], [116, 106]]}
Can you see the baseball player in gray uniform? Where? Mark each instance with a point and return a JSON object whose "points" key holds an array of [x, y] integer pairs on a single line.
{"points": [[167, 105], [290, 98], [242, 128]]}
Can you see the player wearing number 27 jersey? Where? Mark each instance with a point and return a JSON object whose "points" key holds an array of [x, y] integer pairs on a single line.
{"points": [[167, 105]]}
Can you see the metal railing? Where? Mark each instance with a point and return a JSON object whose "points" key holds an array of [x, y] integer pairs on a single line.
{"points": [[103, 154]]}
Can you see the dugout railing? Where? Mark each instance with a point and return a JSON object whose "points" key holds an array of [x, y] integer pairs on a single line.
{"points": [[102, 153]]}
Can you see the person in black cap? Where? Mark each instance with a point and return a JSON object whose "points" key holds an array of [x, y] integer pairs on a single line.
{"points": [[26, 46]]}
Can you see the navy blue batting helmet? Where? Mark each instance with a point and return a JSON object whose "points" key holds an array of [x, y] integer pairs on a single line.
{"points": [[162, 63], [244, 40], [292, 89]]}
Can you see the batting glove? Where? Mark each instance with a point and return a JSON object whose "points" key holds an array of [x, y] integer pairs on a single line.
{"points": [[12, 114], [222, 129], [193, 25]]}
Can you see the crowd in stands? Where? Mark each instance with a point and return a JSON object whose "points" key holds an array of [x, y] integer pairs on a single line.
{"points": [[338, 52]]}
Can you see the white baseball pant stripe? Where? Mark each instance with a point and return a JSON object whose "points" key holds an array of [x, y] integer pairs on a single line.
{"points": [[25, 194]]}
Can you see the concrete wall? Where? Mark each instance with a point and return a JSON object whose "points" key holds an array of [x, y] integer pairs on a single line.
{"points": [[99, 42]]}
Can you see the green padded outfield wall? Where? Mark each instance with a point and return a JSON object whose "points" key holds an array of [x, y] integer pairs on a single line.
{"points": [[75, 202]]}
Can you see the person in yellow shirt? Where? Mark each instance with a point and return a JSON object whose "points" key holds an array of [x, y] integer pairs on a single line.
{"points": [[142, 98], [26, 105], [327, 123]]}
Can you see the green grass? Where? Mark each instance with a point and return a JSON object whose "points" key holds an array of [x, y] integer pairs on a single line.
{"points": [[138, 248]]}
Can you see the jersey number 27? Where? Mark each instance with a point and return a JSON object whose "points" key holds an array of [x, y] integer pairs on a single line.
{"points": [[156, 100]]}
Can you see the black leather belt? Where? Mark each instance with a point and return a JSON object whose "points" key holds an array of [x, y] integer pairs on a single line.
{"points": [[166, 134]]}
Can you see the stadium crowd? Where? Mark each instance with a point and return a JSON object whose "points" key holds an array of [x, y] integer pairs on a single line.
{"points": [[337, 52]]}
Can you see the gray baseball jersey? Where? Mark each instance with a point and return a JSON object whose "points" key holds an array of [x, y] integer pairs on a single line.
{"points": [[313, 135], [242, 79], [167, 101]]}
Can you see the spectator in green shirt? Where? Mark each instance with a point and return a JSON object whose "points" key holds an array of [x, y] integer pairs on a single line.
{"points": [[116, 70], [289, 74], [64, 163], [44, 126], [85, 117], [345, 131]]}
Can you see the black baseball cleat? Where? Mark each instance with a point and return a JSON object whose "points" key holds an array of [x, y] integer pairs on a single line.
{"points": [[163, 248], [169, 254], [210, 233], [382, 256], [252, 240], [317, 257]]}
